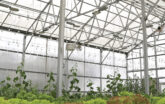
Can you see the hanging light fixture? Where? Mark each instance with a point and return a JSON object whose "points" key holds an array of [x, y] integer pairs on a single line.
{"points": [[73, 24], [73, 46], [103, 7], [100, 9], [160, 30], [118, 37], [11, 8]]}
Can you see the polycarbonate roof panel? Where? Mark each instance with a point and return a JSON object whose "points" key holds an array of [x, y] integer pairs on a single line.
{"points": [[118, 27]]}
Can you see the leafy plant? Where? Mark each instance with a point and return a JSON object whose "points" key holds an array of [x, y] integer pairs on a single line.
{"points": [[20, 80], [73, 85], [153, 90], [46, 97], [26, 95], [99, 92], [51, 86], [134, 85], [17, 101], [135, 99], [161, 101], [6, 88], [91, 93], [96, 101], [126, 93], [114, 86], [154, 100], [40, 102], [10, 87]]}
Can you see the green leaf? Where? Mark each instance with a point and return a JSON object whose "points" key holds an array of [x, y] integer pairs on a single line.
{"points": [[8, 78], [15, 79], [18, 85], [46, 87], [2, 82]]}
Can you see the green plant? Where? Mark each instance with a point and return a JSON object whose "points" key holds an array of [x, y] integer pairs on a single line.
{"points": [[161, 101], [6, 89], [46, 97], [73, 86], [26, 95], [11, 87], [153, 90], [21, 94], [125, 93], [17, 101], [154, 100], [51, 86], [114, 85], [99, 93], [40, 102], [134, 85], [95, 101], [91, 93]]}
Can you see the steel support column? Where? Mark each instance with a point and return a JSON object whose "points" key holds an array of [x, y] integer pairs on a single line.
{"points": [[126, 57], [156, 64], [61, 49], [145, 50], [23, 50], [101, 86]]}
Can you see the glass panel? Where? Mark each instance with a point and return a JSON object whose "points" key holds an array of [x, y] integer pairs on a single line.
{"points": [[107, 70], [161, 73], [36, 46], [38, 80], [96, 83], [161, 61], [92, 70], [10, 60], [11, 41], [107, 57], [51, 65], [92, 55], [77, 54], [80, 67], [35, 63]]}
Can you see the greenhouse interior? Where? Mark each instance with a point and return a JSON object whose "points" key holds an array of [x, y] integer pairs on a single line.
{"points": [[82, 51]]}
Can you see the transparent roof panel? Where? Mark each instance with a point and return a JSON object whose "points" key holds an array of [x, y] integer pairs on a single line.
{"points": [[117, 25]]}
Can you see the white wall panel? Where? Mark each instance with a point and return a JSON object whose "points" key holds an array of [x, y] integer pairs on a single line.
{"points": [[92, 70], [10, 60]]}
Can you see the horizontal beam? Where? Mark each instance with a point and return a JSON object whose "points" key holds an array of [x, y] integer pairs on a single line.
{"points": [[55, 38], [85, 62]]}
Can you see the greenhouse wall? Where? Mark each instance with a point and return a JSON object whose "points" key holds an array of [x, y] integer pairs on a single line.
{"points": [[93, 64], [156, 61]]}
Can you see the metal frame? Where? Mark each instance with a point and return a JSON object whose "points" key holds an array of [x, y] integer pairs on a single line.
{"points": [[126, 45], [150, 7]]}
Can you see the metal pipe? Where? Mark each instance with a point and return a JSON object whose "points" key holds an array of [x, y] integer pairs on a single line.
{"points": [[145, 50], [156, 64], [23, 52], [61, 48], [101, 69]]}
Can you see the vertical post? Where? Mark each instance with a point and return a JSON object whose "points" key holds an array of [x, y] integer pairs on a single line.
{"points": [[126, 56], [46, 58], [67, 71], [84, 70], [140, 64], [23, 50], [61, 48], [101, 87], [145, 50], [156, 64]]}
